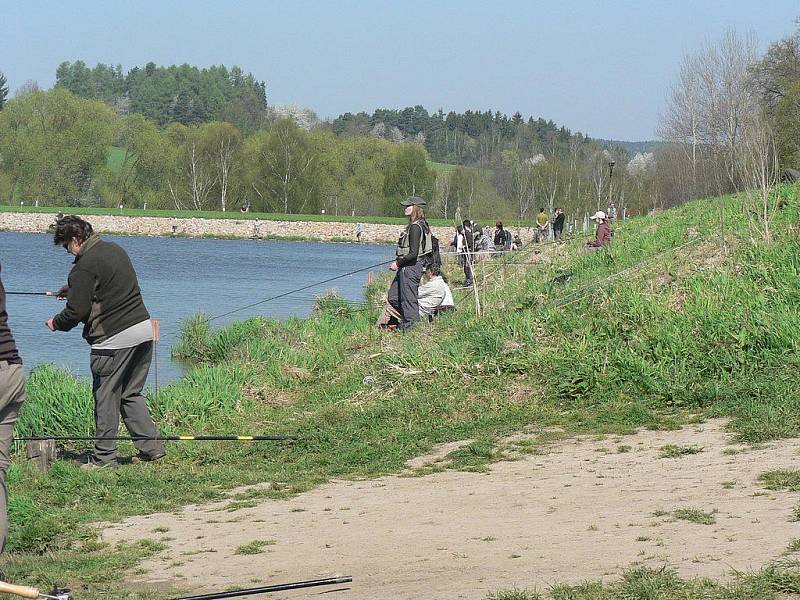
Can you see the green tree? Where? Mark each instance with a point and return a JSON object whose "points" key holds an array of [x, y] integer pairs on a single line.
{"points": [[285, 170], [193, 175], [54, 145], [354, 170], [787, 118], [141, 178], [408, 176], [220, 145]]}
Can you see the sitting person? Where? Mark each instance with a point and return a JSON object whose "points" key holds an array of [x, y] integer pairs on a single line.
{"points": [[434, 295], [603, 235]]}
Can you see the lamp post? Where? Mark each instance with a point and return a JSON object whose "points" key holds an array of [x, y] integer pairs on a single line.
{"points": [[611, 164]]}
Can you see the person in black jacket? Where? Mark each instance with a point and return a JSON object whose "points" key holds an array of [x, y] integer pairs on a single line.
{"points": [[558, 224], [502, 237], [414, 244], [469, 245], [103, 293], [12, 395]]}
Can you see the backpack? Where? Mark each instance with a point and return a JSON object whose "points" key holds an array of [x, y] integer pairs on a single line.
{"points": [[434, 257]]}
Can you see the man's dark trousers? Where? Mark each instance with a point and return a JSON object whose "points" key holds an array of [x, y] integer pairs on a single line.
{"points": [[118, 377], [12, 395], [404, 294]]}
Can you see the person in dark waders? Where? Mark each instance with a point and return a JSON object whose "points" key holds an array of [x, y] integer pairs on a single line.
{"points": [[103, 293], [414, 243]]}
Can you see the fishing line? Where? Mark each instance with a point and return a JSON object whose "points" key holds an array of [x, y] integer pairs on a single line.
{"points": [[300, 289]]}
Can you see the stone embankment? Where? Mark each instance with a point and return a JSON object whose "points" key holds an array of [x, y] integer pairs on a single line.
{"points": [[227, 228]]}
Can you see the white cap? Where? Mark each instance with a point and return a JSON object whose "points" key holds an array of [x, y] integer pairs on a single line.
{"points": [[598, 215]]}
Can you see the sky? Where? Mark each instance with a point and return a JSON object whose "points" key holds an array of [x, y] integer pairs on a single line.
{"points": [[600, 67]]}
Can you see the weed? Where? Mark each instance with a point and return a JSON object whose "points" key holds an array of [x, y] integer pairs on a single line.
{"points": [[781, 479], [673, 451], [695, 515], [254, 547]]}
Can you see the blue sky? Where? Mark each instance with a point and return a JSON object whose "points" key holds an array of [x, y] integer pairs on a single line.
{"points": [[603, 68]]}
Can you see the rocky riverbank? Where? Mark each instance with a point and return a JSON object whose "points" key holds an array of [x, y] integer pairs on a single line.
{"points": [[227, 228]]}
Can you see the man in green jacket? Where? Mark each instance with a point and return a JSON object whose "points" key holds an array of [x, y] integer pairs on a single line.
{"points": [[103, 294]]}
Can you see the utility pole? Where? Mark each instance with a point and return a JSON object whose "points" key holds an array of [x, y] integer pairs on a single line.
{"points": [[611, 164]]}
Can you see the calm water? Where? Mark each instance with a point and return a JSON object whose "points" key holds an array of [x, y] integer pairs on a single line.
{"points": [[178, 277]]}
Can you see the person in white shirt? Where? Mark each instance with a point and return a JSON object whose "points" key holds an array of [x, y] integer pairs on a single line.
{"points": [[434, 295]]}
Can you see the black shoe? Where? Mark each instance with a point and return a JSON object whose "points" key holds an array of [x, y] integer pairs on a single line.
{"points": [[142, 457]]}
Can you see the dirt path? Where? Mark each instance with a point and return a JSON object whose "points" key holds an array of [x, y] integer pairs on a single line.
{"points": [[583, 511]]}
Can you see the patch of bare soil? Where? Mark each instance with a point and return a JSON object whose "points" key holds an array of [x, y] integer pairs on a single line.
{"points": [[586, 509]]}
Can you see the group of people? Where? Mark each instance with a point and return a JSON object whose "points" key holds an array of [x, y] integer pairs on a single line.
{"points": [[103, 294], [420, 290]]}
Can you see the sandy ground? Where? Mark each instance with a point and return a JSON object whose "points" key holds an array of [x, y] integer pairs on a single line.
{"points": [[584, 510]]}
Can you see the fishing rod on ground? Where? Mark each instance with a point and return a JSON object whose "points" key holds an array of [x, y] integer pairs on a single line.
{"points": [[24, 591], [281, 587], [64, 594]]}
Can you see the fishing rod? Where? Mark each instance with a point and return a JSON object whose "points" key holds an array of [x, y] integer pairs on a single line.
{"points": [[24, 591], [281, 587], [51, 294], [160, 438]]}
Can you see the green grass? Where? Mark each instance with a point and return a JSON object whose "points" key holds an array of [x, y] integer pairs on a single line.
{"points": [[437, 166], [644, 583], [116, 156], [673, 451], [695, 515], [611, 351], [254, 547], [781, 479]]}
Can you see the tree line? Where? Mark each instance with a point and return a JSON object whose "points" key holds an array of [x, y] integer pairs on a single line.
{"points": [[180, 137], [61, 149]]}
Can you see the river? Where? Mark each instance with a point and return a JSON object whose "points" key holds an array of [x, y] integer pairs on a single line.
{"points": [[179, 277]]}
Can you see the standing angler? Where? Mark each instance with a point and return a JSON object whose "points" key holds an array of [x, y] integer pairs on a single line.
{"points": [[12, 394], [103, 294], [415, 243]]}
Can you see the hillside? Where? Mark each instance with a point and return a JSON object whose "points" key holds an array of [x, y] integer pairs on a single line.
{"points": [[682, 320]]}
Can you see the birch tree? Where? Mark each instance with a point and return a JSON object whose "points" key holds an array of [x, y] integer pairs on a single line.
{"points": [[221, 143]]}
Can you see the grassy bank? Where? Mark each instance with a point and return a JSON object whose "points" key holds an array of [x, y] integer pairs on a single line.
{"points": [[677, 322]]}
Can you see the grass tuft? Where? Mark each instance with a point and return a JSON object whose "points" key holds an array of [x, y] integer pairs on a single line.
{"points": [[695, 515], [673, 451]]}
